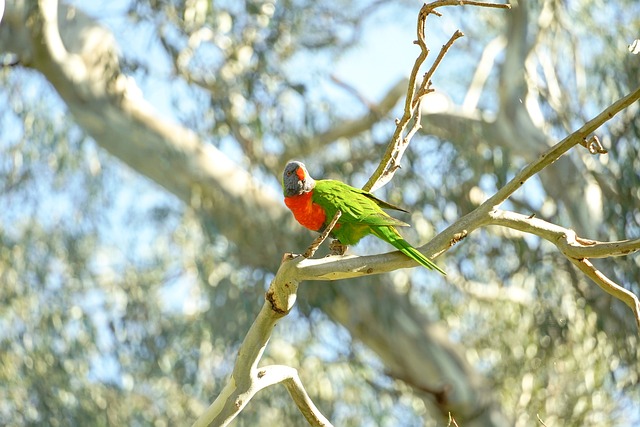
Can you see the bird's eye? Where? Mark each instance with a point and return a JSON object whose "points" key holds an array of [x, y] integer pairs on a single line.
{"points": [[289, 173]]}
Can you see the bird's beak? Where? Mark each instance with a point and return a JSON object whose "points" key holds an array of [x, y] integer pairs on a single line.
{"points": [[301, 174]]}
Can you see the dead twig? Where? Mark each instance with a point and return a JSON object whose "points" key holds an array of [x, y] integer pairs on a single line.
{"points": [[391, 159], [594, 145], [452, 421], [311, 250], [425, 86]]}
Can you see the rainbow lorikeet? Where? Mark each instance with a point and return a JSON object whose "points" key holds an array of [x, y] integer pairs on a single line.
{"points": [[314, 203]]}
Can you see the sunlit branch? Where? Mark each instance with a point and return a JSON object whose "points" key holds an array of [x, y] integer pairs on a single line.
{"points": [[553, 153], [566, 239], [577, 250], [247, 379], [399, 142], [609, 286]]}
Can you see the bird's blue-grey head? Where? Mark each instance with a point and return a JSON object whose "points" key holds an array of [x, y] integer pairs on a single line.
{"points": [[296, 179]]}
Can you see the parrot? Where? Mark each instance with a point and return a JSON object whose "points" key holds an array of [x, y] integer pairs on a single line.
{"points": [[315, 202]]}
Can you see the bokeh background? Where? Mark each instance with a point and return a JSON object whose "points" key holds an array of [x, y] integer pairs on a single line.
{"points": [[141, 218]]}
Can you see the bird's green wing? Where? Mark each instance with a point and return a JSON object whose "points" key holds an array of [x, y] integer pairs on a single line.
{"points": [[381, 203], [357, 206]]}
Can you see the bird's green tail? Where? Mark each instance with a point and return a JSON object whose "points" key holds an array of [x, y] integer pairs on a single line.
{"points": [[390, 235]]}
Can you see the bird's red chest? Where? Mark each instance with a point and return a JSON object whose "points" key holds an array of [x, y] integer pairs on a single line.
{"points": [[307, 213]]}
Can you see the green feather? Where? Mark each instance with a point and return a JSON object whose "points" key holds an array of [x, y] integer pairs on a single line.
{"points": [[362, 214]]}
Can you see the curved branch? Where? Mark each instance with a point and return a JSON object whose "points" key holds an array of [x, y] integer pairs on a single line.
{"points": [[291, 380], [247, 379], [567, 240], [577, 250], [390, 161], [609, 286]]}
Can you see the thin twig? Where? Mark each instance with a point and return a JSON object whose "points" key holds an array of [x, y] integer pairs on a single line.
{"points": [[399, 142], [387, 165], [426, 80], [423, 90], [540, 420], [452, 421], [483, 4], [311, 250]]}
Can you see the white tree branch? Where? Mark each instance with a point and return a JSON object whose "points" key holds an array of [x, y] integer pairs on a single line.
{"points": [[609, 286], [292, 382], [247, 379], [480, 76], [566, 239], [577, 250]]}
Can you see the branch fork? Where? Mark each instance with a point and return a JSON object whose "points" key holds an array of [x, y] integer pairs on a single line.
{"points": [[577, 250]]}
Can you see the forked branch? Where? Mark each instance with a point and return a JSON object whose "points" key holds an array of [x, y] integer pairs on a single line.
{"points": [[416, 92], [247, 378], [577, 250], [488, 213]]}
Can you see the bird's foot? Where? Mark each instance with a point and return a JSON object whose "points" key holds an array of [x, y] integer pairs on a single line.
{"points": [[337, 248]]}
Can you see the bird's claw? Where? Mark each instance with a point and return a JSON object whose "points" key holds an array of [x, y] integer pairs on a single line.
{"points": [[337, 248]]}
